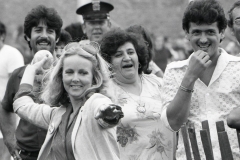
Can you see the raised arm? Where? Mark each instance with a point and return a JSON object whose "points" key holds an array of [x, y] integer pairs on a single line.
{"points": [[24, 105], [178, 106]]}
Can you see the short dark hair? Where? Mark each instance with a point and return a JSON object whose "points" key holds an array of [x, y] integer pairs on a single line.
{"points": [[204, 12], [64, 38], [75, 30], [138, 29], [230, 20], [117, 37], [41, 12], [2, 29]]}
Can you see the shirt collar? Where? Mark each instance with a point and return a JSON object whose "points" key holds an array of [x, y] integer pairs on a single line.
{"points": [[223, 58]]}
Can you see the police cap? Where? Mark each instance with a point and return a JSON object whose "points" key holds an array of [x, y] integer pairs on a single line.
{"points": [[96, 10]]}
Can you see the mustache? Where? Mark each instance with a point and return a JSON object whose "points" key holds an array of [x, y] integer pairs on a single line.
{"points": [[43, 40]]}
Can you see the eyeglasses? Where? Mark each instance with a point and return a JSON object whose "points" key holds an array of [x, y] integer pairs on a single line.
{"points": [[237, 22], [93, 44]]}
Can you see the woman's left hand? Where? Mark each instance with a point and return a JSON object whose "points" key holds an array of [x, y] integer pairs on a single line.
{"points": [[109, 112]]}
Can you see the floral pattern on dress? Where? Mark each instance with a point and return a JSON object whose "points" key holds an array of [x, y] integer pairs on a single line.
{"points": [[122, 101], [157, 141], [126, 135], [149, 115], [133, 157]]}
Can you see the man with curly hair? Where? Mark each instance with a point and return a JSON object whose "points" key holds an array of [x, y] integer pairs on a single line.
{"points": [[42, 28]]}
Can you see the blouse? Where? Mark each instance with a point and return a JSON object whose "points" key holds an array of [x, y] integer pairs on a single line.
{"points": [[141, 134]]}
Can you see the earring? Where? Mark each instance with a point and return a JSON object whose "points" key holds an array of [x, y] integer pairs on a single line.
{"points": [[222, 37], [139, 66], [110, 68], [111, 71]]}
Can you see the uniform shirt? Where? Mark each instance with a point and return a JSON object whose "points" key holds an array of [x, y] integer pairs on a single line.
{"points": [[213, 102]]}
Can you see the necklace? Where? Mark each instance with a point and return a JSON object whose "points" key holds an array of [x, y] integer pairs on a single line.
{"points": [[140, 105]]}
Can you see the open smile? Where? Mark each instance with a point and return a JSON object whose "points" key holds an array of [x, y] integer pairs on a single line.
{"points": [[127, 66], [204, 47], [75, 86]]}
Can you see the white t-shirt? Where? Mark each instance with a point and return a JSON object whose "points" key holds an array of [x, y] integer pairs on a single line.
{"points": [[10, 59]]}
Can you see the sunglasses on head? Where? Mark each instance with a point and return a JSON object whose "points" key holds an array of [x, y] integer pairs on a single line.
{"points": [[88, 46]]}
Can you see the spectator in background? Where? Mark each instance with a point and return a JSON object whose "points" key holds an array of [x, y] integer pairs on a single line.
{"points": [[234, 21], [162, 53], [42, 27], [10, 59], [152, 68], [179, 45], [234, 24], [22, 45], [75, 30], [63, 40], [96, 19], [233, 48]]}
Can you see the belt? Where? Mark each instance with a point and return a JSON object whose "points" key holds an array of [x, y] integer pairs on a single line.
{"points": [[27, 153]]}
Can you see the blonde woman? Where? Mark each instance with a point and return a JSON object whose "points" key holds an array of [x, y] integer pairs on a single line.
{"points": [[83, 126]]}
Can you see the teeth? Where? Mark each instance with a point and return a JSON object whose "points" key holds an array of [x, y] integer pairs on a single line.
{"points": [[76, 86], [43, 43], [127, 66]]}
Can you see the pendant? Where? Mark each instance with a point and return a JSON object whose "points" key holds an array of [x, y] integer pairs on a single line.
{"points": [[141, 108]]}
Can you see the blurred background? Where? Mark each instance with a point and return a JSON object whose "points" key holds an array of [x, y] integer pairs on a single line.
{"points": [[161, 17]]}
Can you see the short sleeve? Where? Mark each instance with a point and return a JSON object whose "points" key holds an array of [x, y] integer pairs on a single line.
{"points": [[24, 90], [170, 87], [11, 89], [15, 60], [154, 67]]}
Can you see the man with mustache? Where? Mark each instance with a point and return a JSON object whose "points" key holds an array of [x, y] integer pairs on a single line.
{"points": [[42, 28], [96, 19]]}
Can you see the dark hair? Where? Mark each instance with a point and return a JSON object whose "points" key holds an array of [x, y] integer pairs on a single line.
{"points": [[64, 38], [75, 30], [204, 12], [117, 37], [138, 29], [49, 15], [2, 29], [230, 21]]}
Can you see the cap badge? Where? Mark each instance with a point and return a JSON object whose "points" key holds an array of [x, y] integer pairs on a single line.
{"points": [[96, 5]]}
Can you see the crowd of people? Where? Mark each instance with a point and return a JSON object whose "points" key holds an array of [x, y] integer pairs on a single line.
{"points": [[98, 92]]}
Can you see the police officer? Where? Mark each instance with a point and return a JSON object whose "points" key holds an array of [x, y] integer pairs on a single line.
{"points": [[96, 19]]}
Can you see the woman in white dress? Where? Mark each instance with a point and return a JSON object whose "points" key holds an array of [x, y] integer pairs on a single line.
{"points": [[141, 133]]}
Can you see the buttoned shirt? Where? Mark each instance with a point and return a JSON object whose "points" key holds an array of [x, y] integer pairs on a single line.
{"points": [[213, 102]]}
